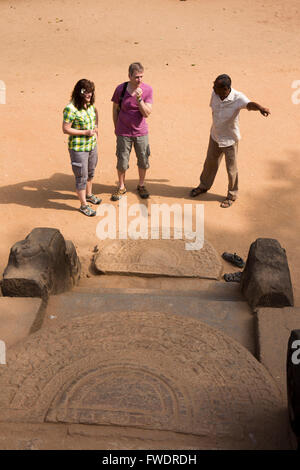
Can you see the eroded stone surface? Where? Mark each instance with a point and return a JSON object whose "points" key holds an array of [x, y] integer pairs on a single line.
{"points": [[157, 258], [149, 371], [266, 280], [229, 315], [17, 316], [41, 264], [274, 329], [45, 436]]}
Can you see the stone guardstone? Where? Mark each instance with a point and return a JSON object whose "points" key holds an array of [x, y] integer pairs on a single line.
{"points": [[157, 258], [148, 371], [42, 264], [266, 280]]}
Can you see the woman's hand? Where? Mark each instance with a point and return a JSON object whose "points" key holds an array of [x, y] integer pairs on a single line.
{"points": [[90, 132]]}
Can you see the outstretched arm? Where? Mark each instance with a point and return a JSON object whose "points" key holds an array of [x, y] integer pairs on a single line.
{"points": [[251, 106]]}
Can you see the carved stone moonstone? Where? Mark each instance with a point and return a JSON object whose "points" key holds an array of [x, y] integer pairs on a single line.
{"points": [[157, 258], [42, 264], [144, 370]]}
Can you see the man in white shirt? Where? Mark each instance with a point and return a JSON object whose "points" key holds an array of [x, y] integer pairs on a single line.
{"points": [[226, 104]]}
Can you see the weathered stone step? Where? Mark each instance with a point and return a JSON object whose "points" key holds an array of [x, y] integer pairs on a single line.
{"points": [[147, 371], [207, 289], [218, 294], [232, 317]]}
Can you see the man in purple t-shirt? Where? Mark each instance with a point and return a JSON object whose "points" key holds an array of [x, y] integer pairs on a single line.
{"points": [[132, 104]]}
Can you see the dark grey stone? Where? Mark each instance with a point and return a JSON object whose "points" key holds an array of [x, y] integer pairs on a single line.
{"points": [[266, 280], [42, 264]]}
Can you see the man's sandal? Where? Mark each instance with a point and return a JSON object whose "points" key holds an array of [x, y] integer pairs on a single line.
{"points": [[144, 194], [87, 210], [233, 277], [118, 194], [233, 258], [227, 203], [196, 191], [93, 199]]}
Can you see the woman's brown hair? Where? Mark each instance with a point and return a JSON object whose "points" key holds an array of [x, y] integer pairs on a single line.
{"points": [[80, 88]]}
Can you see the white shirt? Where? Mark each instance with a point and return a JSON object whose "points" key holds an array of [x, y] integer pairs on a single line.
{"points": [[225, 128]]}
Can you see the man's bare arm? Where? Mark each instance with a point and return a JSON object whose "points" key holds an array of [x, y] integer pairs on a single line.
{"points": [[145, 108], [251, 106], [115, 113]]}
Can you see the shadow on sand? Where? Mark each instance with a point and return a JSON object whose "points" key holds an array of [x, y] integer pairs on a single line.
{"points": [[54, 192]]}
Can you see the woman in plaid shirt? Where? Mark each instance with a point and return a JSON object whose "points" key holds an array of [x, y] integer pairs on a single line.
{"points": [[80, 122]]}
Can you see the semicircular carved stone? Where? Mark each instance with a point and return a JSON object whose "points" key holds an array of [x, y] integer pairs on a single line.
{"points": [[43, 263], [150, 371], [157, 258]]}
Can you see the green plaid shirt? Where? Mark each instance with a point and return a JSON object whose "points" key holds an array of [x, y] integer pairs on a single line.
{"points": [[84, 119]]}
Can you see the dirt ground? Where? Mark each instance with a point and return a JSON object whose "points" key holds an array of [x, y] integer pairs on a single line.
{"points": [[47, 46]]}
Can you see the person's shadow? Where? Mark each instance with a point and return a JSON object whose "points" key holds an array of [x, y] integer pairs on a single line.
{"points": [[53, 192]]}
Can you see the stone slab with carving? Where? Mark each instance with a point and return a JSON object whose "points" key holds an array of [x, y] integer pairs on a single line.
{"points": [[157, 258], [149, 371]]}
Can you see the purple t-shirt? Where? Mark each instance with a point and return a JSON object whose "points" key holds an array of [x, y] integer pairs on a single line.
{"points": [[131, 122]]}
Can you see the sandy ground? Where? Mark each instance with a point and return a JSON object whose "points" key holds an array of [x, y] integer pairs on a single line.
{"points": [[47, 46]]}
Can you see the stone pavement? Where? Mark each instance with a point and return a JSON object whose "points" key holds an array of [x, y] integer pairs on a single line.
{"points": [[17, 315], [274, 328], [150, 371], [126, 362], [226, 313]]}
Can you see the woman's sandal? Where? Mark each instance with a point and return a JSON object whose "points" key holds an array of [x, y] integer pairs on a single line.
{"points": [[196, 191], [93, 199], [87, 210], [233, 277], [227, 203], [233, 258]]}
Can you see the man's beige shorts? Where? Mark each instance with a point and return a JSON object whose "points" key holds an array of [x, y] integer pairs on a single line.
{"points": [[141, 147]]}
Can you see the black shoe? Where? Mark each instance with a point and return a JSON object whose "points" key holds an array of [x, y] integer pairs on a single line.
{"points": [[196, 191], [233, 258]]}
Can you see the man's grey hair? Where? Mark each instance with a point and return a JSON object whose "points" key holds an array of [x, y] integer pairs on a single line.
{"points": [[135, 67]]}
